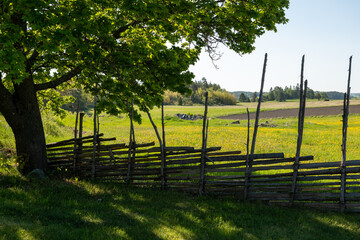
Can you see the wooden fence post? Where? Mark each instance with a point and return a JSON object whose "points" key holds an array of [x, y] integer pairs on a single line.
{"points": [[301, 117], [131, 151], [247, 154], [163, 150], [253, 143], [203, 149], [93, 167], [344, 139], [81, 131], [75, 138]]}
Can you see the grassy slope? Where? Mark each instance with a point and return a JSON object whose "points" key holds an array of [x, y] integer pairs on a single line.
{"points": [[54, 209]]}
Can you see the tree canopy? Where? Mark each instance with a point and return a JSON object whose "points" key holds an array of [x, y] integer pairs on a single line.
{"points": [[115, 50]]}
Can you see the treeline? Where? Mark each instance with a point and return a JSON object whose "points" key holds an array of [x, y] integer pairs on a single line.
{"points": [[282, 94], [217, 95]]}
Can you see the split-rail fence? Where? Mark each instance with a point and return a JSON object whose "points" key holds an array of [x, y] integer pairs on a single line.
{"points": [[266, 177], [270, 177]]}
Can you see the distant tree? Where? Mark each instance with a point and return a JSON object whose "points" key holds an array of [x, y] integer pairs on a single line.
{"points": [[180, 101], [205, 83], [324, 96], [335, 95], [279, 94], [310, 93], [270, 95], [317, 96], [243, 98], [253, 97]]}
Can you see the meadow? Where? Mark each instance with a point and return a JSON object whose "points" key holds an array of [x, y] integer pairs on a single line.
{"points": [[322, 134], [72, 209]]}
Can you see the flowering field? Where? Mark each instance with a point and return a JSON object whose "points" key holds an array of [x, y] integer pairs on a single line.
{"points": [[322, 135]]}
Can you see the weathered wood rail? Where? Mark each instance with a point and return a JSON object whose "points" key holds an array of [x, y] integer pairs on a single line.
{"points": [[224, 173]]}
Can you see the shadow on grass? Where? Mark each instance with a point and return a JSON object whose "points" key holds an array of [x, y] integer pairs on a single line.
{"points": [[56, 209]]}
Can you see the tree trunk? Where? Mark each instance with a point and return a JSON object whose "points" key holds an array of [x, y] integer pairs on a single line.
{"points": [[22, 113], [30, 141]]}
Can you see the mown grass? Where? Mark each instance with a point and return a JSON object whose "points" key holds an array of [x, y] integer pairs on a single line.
{"points": [[71, 209]]}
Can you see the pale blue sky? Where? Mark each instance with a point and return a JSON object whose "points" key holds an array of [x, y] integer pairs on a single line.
{"points": [[326, 31]]}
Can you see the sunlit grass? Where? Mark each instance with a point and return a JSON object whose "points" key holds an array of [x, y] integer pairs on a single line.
{"points": [[322, 135], [57, 209], [72, 209]]}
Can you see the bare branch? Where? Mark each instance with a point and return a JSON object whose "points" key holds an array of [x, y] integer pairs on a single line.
{"points": [[64, 78]]}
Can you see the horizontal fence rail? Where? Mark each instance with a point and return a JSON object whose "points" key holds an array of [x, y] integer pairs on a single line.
{"points": [[270, 178]]}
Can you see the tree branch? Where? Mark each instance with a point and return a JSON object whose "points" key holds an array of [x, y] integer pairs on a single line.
{"points": [[6, 103], [64, 78], [33, 58]]}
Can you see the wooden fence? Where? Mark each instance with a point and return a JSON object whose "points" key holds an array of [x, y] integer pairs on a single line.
{"points": [[264, 177]]}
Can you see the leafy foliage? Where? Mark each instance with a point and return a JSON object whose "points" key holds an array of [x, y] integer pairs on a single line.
{"points": [[123, 49], [217, 95], [117, 50]]}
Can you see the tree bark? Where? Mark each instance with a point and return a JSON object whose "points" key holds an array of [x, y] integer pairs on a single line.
{"points": [[22, 113]]}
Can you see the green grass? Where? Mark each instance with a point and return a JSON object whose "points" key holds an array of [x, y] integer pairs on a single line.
{"points": [[60, 209], [56, 209], [322, 135]]}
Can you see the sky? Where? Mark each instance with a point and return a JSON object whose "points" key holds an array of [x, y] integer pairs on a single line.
{"points": [[326, 31]]}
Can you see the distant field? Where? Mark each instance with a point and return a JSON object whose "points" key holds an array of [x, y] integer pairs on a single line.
{"points": [[293, 112], [295, 104], [322, 135]]}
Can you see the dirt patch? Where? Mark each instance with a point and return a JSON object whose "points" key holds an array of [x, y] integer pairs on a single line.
{"points": [[293, 112]]}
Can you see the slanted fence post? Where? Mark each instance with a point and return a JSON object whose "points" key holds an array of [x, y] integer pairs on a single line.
{"points": [[253, 143], [301, 117], [344, 139], [162, 149], [203, 149]]}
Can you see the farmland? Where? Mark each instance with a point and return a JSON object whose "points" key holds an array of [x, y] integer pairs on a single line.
{"points": [[72, 209], [322, 135]]}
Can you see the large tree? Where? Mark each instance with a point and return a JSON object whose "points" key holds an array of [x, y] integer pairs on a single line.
{"points": [[114, 49]]}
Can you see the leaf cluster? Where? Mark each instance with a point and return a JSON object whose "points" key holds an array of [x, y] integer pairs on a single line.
{"points": [[123, 50]]}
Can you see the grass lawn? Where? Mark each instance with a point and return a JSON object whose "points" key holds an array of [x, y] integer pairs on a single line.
{"points": [[57, 209], [71, 209]]}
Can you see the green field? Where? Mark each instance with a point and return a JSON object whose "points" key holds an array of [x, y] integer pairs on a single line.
{"points": [[322, 135], [72, 209]]}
